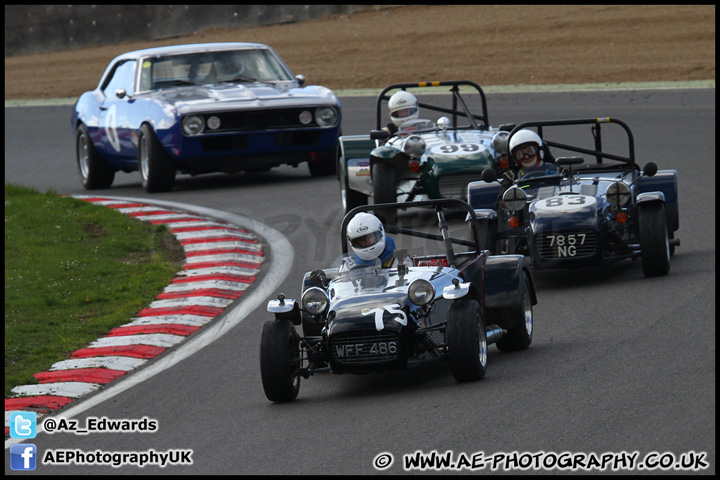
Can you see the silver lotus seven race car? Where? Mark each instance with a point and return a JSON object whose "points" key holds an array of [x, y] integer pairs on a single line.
{"points": [[446, 301], [588, 214], [422, 158]]}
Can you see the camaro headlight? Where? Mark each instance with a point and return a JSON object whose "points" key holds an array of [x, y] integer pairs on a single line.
{"points": [[514, 199], [314, 300], [618, 194], [421, 292], [193, 124], [326, 116], [414, 146]]}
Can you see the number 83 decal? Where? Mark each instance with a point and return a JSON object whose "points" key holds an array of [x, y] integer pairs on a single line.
{"points": [[565, 203]]}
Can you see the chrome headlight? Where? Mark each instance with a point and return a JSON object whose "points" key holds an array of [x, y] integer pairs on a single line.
{"points": [[515, 199], [314, 300], [618, 194], [326, 116], [414, 146], [421, 292], [193, 124]]}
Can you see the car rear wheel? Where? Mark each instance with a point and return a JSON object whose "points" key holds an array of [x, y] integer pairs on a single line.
{"points": [[95, 171], [654, 239], [519, 336], [157, 168], [467, 341], [280, 360]]}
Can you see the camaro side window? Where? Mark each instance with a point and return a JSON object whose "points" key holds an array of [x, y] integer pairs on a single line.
{"points": [[122, 78]]}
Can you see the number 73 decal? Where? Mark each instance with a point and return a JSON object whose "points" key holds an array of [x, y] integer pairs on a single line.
{"points": [[392, 309]]}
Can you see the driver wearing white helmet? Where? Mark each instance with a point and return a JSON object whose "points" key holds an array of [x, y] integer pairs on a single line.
{"points": [[366, 235], [404, 111], [526, 150]]}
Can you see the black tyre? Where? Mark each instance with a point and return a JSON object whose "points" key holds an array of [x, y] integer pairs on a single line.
{"points": [[384, 178], [280, 360], [157, 168], [467, 341], [95, 171], [519, 336], [654, 239]]}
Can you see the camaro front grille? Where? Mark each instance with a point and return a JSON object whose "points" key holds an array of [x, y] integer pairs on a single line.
{"points": [[261, 120], [567, 244], [455, 186], [363, 348]]}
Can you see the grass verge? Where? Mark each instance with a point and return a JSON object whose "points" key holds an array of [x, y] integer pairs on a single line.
{"points": [[73, 272]]}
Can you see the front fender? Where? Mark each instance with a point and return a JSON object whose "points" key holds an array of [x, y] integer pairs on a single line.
{"points": [[502, 288], [664, 181], [285, 309]]}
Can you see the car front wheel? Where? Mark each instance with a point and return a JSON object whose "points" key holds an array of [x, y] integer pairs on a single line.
{"points": [[384, 178], [95, 171], [467, 341], [519, 337], [280, 360], [157, 168], [654, 239]]}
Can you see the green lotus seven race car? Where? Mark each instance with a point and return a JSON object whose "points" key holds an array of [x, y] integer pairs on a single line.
{"points": [[421, 159], [445, 301]]}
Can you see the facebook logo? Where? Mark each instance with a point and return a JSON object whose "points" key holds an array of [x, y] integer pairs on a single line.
{"points": [[23, 456], [23, 425]]}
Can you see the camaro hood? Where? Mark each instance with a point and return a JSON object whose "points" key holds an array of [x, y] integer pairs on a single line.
{"points": [[233, 96]]}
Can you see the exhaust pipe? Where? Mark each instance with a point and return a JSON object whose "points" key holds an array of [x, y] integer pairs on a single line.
{"points": [[494, 333]]}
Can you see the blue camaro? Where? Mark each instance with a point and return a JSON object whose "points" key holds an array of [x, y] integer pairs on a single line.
{"points": [[215, 107]]}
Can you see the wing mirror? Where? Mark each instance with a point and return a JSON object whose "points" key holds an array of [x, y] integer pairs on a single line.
{"points": [[650, 169], [489, 175]]}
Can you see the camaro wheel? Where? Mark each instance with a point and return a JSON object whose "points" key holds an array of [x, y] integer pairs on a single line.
{"points": [[466, 340], [95, 172], [280, 361], [654, 240], [519, 337], [157, 168]]}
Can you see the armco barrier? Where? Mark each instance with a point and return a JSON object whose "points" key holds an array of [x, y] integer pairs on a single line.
{"points": [[41, 28]]}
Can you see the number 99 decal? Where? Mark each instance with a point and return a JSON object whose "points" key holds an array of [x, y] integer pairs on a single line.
{"points": [[460, 148]]}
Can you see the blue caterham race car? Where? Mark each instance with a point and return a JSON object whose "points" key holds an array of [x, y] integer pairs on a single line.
{"points": [[214, 107], [592, 208], [443, 300]]}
